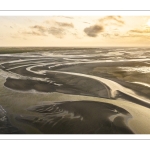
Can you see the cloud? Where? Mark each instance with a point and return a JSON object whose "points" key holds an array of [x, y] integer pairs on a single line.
{"points": [[60, 24], [135, 36], [86, 22], [140, 31], [33, 33], [39, 28], [117, 19], [57, 32], [64, 24], [57, 29], [94, 30], [111, 35], [36, 30]]}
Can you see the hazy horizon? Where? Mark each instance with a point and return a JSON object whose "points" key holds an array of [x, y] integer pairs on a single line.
{"points": [[76, 46]]}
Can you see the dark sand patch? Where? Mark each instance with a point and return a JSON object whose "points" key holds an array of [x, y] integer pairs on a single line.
{"points": [[66, 85], [78, 117]]}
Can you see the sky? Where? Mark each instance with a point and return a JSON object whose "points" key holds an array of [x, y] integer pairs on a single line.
{"points": [[86, 31]]}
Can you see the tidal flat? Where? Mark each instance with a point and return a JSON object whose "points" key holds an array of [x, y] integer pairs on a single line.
{"points": [[75, 90]]}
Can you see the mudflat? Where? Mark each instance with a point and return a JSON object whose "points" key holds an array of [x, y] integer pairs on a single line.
{"points": [[90, 91]]}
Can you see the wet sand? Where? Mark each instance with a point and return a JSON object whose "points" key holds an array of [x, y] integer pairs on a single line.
{"points": [[101, 97], [79, 117], [77, 86]]}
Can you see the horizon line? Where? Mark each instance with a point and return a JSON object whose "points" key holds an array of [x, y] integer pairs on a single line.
{"points": [[74, 46]]}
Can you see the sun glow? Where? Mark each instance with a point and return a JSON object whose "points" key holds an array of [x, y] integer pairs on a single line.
{"points": [[148, 23], [74, 31]]}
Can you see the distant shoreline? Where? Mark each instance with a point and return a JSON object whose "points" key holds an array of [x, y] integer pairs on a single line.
{"points": [[6, 50], [22, 49]]}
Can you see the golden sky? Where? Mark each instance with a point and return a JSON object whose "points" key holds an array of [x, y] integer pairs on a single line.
{"points": [[75, 31]]}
